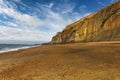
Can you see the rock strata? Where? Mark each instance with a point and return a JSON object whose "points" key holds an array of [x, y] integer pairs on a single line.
{"points": [[103, 25]]}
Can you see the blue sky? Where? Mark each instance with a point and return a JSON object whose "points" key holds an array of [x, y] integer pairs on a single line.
{"points": [[39, 20]]}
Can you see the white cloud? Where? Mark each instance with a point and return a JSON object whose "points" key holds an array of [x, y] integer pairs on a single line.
{"points": [[50, 5], [12, 24], [101, 3], [112, 1], [23, 18], [17, 0], [65, 7], [8, 33], [82, 7], [30, 27]]}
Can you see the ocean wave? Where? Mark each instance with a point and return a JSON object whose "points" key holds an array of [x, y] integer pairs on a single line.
{"points": [[15, 49]]}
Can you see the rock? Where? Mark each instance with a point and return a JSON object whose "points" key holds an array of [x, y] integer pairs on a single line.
{"points": [[103, 25]]}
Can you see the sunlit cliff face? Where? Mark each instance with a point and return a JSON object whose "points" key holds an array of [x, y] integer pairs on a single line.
{"points": [[103, 25]]}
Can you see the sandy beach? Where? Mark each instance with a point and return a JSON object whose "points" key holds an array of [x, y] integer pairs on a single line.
{"points": [[79, 61]]}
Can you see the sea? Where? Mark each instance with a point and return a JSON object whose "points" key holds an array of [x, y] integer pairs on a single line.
{"points": [[15, 47]]}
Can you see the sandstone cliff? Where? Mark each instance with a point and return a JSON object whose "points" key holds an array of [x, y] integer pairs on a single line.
{"points": [[103, 25]]}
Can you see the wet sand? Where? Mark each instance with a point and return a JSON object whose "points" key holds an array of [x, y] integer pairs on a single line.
{"points": [[80, 61]]}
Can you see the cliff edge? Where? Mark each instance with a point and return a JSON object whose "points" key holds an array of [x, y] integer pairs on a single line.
{"points": [[103, 25]]}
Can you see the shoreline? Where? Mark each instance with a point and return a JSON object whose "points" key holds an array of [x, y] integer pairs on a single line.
{"points": [[27, 47], [17, 49]]}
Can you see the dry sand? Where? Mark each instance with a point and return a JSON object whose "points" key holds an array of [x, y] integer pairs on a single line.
{"points": [[81, 61]]}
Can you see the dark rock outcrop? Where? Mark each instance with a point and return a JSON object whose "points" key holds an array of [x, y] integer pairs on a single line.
{"points": [[103, 25]]}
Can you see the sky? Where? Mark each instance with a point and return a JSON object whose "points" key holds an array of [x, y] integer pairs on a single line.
{"points": [[40, 20]]}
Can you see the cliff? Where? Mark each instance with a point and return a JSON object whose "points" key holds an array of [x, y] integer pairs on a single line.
{"points": [[103, 25]]}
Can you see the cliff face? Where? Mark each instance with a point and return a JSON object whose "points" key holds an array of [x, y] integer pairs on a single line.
{"points": [[103, 25]]}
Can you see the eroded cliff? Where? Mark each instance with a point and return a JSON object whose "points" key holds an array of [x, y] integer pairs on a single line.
{"points": [[103, 25]]}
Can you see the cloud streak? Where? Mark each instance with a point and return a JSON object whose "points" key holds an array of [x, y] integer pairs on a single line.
{"points": [[37, 25], [100, 3]]}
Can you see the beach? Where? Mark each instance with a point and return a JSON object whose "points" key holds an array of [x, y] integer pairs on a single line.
{"points": [[78, 61]]}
